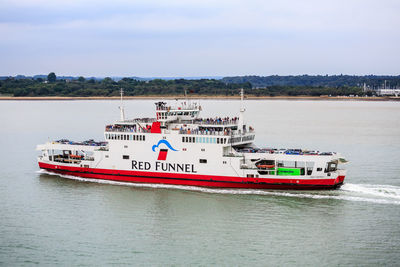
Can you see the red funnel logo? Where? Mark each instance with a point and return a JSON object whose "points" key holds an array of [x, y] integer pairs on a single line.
{"points": [[162, 155]]}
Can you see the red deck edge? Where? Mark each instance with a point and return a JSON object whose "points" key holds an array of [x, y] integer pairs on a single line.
{"points": [[194, 179]]}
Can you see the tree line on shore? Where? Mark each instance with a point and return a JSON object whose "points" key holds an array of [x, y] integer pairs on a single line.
{"points": [[372, 81], [133, 87]]}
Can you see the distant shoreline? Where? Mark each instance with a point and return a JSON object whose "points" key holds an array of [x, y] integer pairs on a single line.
{"points": [[149, 97]]}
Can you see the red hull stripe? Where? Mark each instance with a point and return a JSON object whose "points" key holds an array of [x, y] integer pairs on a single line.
{"points": [[196, 180]]}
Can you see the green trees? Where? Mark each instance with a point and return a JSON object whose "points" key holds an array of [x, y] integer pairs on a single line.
{"points": [[133, 87], [331, 81], [51, 77]]}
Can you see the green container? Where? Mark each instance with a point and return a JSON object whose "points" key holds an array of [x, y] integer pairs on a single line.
{"points": [[289, 171]]}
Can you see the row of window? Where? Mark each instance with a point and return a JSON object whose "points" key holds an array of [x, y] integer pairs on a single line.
{"points": [[205, 140], [241, 139], [125, 137], [164, 115]]}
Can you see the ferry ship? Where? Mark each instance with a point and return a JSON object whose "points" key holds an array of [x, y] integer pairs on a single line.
{"points": [[179, 147]]}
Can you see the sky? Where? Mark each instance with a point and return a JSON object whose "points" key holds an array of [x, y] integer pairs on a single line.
{"points": [[174, 38]]}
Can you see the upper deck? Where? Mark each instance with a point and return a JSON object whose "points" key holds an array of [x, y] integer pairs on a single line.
{"points": [[184, 119]]}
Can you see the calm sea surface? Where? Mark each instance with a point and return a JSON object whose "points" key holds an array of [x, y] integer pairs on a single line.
{"points": [[52, 220]]}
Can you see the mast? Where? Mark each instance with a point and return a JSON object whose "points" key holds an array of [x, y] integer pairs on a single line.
{"points": [[242, 110], [121, 107]]}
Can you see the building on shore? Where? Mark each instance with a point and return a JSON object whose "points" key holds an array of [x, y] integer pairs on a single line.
{"points": [[383, 90]]}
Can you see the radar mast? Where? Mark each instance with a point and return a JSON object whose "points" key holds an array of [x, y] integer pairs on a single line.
{"points": [[121, 107], [241, 124]]}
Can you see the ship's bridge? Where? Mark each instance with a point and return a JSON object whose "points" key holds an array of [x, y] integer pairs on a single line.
{"points": [[186, 111]]}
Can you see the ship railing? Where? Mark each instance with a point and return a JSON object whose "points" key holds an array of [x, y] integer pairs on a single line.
{"points": [[232, 154], [178, 108], [203, 132], [245, 166], [66, 160], [127, 129], [141, 120], [90, 142], [102, 148], [216, 121]]}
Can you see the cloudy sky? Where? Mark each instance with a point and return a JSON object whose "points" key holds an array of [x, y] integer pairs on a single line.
{"points": [[199, 37]]}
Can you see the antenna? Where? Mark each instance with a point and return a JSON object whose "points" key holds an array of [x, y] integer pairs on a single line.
{"points": [[121, 107], [242, 110]]}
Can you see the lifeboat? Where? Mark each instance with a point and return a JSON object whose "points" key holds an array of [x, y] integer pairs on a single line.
{"points": [[265, 166]]}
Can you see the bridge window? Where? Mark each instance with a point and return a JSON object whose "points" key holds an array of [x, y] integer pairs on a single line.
{"points": [[125, 157], [203, 161]]}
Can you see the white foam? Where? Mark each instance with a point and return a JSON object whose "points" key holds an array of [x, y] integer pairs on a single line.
{"points": [[385, 191], [383, 194]]}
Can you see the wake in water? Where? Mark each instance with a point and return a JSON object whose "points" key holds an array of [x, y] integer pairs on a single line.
{"points": [[381, 194], [386, 191]]}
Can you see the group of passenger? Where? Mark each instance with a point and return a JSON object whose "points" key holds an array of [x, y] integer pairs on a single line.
{"points": [[127, 128], [89, 142], [204, 131], [218, 120]]}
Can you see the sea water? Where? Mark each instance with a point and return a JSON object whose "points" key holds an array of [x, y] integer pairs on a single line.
{"points": [[48, 219]]}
